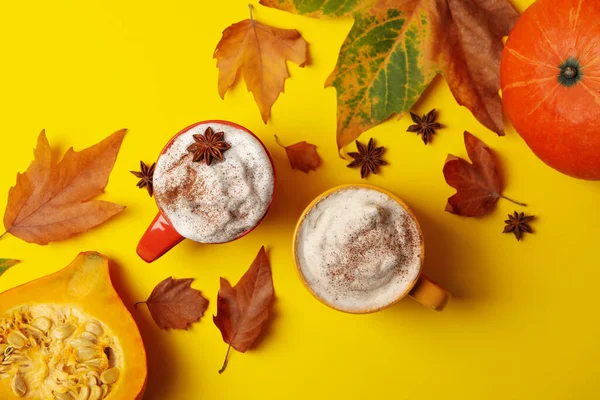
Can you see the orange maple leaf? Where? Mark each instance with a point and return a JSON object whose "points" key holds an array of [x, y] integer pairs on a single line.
{"points": [[260, 51], [51, 200]]}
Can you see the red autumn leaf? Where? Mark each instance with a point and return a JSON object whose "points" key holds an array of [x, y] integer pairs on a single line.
{"points": [[478, 185], [175, 304], [243, 309], [302, 155]]}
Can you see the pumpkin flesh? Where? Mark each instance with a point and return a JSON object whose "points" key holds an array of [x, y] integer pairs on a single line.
{"points": [[84, 299]]}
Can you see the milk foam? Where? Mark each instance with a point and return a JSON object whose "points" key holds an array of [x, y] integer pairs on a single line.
{"points": [[358, 249], [216, 203]]}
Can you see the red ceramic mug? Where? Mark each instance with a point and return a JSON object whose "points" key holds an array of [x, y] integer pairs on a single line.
{"points": [[161, 236]]}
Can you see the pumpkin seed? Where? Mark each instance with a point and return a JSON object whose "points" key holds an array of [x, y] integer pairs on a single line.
{"points": [[62, 396], [80, 343], [42, 323], [39, 311], [95, 363], [95, 393], [91, 381], [89, 336], [8, 351], [84, 393], [94, 375], [104, 390], [86, 353], [18, 385], [16, 339], [61, 375], [18, 358], [33, 342], [110, 375], [63, 331], [94, 327], [32, 330]]}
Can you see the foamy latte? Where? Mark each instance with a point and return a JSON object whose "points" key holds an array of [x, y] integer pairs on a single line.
{"points": [[358, 249], [219, 202]]}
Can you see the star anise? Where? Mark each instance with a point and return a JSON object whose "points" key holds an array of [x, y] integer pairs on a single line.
{"points": [[518, 224], [146, 177], [368, 158], [209, 146], [425, 126]]}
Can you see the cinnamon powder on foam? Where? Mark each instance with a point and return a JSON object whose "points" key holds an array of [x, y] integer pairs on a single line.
{"points": [[359, 249], [216, 203]]}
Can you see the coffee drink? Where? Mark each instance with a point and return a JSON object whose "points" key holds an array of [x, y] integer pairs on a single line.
{"points": [[219, 202], [358, 249]]}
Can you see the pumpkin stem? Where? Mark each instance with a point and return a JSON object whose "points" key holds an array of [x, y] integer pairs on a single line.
{"points": [[570, 72]]}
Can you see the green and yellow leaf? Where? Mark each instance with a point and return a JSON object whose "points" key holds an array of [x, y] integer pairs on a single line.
{"points": [[6, 263], [396, 47]]}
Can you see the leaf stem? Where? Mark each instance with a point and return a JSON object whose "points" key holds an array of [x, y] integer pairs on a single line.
{"points": [[4, 234], [278, 142], [513, 201], [226, 360], [139, 302], [251, 18]]}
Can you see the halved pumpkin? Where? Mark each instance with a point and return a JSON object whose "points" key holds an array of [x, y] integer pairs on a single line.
{"points": [[68, 336]]}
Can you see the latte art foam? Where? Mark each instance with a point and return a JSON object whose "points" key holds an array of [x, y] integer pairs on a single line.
{"points": [[216, 203], [358, 249]]}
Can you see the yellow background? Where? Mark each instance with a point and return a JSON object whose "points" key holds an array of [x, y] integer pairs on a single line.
{"points": [[523, 322]]}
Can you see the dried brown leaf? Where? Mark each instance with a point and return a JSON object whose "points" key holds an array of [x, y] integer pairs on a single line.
{"points": [[261, 52], [51, 200], [478, 185], [175, 304], [242, 310], [302, 155]]}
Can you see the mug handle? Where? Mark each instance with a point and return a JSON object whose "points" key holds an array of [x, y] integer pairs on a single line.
{"points": [[159, 238], [429, 294]]}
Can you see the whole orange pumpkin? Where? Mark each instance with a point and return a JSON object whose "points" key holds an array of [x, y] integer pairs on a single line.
{"points": [[550, 79]]}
